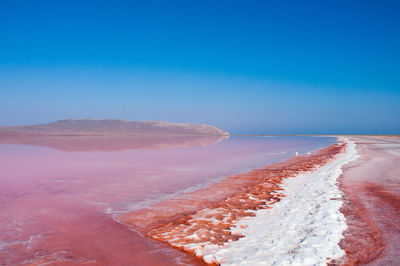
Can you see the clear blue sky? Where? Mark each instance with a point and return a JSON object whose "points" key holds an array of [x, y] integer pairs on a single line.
{"points": [[244, 66]]}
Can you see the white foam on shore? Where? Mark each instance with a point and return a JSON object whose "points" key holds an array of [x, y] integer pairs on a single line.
{"points": [[304, 228]]}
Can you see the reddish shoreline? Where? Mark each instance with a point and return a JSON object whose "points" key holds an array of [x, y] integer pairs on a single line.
{"points": [[209, 213], [371, 186]]}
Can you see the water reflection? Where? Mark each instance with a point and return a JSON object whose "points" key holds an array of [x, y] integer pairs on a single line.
{"points": [[112, 143]]}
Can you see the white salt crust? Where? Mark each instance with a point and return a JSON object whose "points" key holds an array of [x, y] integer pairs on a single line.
{"points": [[304, 228]]}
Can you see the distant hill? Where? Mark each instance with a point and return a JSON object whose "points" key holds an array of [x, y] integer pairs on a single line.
{"points": [[111, 127]]}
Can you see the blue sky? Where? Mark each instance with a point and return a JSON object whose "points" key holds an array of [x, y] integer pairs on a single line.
{"points": [[246, 66]]}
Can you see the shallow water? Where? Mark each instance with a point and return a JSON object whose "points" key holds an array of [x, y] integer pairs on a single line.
{"points": [[57, 202]]}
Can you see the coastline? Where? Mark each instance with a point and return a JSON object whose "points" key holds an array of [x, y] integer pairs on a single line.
{"points": [[215, 217], [81, 193], [339, 205]]}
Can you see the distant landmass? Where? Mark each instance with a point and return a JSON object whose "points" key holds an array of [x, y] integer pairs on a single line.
{"points": [[112, 127], [112, 135]]}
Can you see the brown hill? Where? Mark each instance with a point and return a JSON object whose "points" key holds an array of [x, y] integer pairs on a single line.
{"points": [[112, 127], [111, 135]]}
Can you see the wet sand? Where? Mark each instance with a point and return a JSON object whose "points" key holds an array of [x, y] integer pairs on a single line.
{"points": [[371, 186]]}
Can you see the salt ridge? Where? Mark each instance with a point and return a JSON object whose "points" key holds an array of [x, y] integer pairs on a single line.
{"points": [[304, 228]]}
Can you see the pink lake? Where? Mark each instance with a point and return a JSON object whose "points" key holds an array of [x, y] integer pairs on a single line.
{"points": [[58, 199]]}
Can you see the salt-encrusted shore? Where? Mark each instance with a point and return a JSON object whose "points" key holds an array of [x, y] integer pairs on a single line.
{"points": [[284, 213], [304, 228]]}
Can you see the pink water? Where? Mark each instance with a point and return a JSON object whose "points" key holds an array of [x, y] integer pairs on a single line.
{"points": [[57, 206]]}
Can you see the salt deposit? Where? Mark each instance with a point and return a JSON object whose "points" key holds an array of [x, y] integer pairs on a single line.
{"points": [[304, 228]]}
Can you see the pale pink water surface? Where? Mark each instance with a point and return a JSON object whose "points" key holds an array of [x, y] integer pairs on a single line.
{"points": [[57, 206]]}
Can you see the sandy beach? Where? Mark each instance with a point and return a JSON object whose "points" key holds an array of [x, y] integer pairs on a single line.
{"points": [[371, 186]]}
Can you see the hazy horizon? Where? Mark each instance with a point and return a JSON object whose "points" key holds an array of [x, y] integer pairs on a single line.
{"points": [[284, 67]]}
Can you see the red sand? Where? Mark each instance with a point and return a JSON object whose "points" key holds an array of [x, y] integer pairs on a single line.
{"points": [[209, 213], [372, 203]]}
